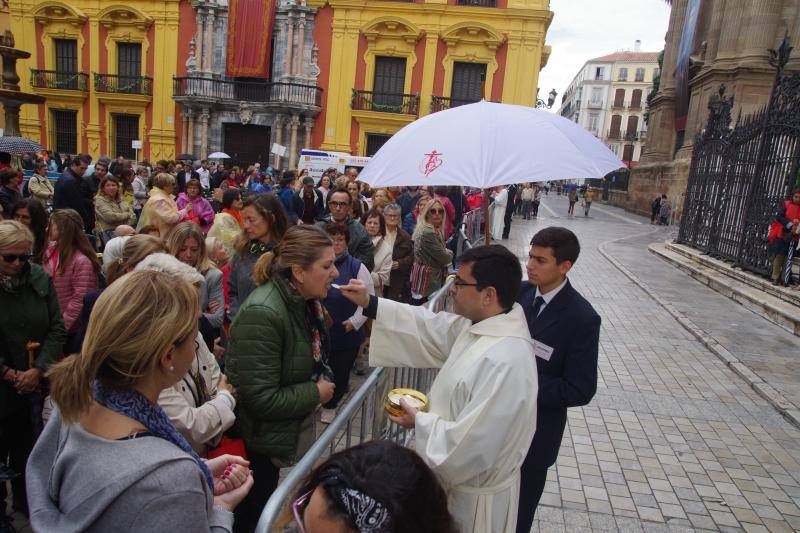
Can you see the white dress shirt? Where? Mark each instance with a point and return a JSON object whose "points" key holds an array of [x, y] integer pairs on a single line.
{"points": [[549, 296]]}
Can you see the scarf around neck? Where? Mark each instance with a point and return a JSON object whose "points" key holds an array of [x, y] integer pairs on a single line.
{"points": [[133, 405]]}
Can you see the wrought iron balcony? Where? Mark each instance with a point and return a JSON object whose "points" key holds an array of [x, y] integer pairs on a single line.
{"points": [[440, 103], [635, 105], [56, 79], [114, 83], [249, 91], [631, 135], [405, 104], [643, 135], [614, 134], [595, 104], [479, 3], [618, 105]]}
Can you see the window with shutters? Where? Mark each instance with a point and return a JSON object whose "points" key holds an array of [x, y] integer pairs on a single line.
{"points": [[636, 99], [623, 74], [374, 143], [592, 125], [619, 98], [468, 80], [639, 74], [64, 131], [389, 81], [126, 129], [129, 67], [66, 63], [627, 153], [616, 123], [614, 147], [633, 126], [599, 73]]}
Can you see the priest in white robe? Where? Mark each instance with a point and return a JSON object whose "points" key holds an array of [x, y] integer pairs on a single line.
{"points": [[482, 414], [499, 213]]}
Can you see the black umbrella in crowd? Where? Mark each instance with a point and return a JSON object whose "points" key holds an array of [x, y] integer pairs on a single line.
{"points": [[186, 157], [18, 145]]}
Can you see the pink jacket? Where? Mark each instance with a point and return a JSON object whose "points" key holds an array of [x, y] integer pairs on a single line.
{"points": [[78, 279]]}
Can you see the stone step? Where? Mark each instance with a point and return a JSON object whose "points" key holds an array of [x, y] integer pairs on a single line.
{"points": [[754, 280], [763, 303]]}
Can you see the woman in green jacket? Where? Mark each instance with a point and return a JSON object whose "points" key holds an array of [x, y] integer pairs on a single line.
{"points": [[277, 359], [431, 256], [31, 336]]}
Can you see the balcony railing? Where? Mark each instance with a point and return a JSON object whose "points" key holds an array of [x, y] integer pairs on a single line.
{"points": [[249, 91], [440, 103], [631, 135], [614, 134], [635, 105], [56, 79], [113, 83], [643, 135], [595, 104], [479, 3], [405, 104], [618, 105]]}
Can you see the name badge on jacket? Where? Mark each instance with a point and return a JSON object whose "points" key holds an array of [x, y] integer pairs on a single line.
{"points": [[542, 350]]}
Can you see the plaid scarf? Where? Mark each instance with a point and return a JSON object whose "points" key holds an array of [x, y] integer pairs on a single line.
{"points": [[318, 321]]}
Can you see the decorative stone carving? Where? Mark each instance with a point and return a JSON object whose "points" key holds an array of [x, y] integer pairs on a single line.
{"points": [[315, 71], [245, 113], [191, 63]]}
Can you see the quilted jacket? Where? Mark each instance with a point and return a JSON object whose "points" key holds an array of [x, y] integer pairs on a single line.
{"points": [[269, 362], [77, 280]]}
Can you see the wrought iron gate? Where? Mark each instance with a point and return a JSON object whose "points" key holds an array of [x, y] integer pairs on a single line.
{"points": [[739, 175]]}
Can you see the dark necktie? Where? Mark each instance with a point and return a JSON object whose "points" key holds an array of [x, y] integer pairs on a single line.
{"points": [[538, 302]]}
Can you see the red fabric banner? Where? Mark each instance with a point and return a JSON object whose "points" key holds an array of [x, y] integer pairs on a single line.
{"points": [[249, 36]]}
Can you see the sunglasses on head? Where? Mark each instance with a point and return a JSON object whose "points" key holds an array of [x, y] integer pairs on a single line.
{"points": [[22, 258]]}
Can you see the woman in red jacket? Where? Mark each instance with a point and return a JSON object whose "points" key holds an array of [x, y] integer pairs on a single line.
{"points": [[72, 263]]}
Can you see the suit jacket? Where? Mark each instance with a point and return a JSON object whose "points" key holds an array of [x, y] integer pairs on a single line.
{"points": [[70, 193], [403, 253], [183, 179], [569, 325]]}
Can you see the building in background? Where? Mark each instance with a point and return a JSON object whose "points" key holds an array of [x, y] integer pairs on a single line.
{"points": [[708, 43], [384, 64], [607, 97], [106, 69]]}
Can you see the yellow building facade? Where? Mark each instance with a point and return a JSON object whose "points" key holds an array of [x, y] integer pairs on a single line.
{"points": [[383, 64], [106, 70]]}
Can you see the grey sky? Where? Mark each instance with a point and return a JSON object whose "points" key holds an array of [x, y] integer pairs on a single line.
{"points": [[583, 29]]}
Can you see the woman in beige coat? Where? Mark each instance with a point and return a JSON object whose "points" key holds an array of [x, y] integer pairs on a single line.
{"points": [[161, 210], [110, 210], [39, 185]]}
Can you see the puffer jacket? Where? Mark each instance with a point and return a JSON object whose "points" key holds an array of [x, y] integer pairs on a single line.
{"points": [[76, 281], [29, 311], [269, 362]]}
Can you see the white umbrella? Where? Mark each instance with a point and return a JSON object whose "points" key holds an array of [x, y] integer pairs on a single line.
{"points": [[485, 145], [219, 155]]}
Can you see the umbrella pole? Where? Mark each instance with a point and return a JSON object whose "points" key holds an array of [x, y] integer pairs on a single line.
{"points": [[486, 220]]}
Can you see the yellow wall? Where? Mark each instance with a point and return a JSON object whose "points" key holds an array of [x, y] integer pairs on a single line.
{"points": [[509, 39], [98, 25]]}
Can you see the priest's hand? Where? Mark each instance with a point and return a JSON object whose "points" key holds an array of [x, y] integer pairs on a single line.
{"points": [[356, 292], [408, 419]]}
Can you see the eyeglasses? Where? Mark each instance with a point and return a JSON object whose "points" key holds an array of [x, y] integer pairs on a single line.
{"points": [[299, 507], [22, 258], [338, 205], [458, 282], [436, 211]]}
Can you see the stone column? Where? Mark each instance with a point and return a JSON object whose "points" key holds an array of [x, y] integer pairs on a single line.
{"points": [[728, 44], [277, 125], [309, 126], [715, 28], [189, 148], [204, 116], [208, 47], [185, 132], [289, 44], [301, 36], [761, 31], [200, 42], [295, 123]]}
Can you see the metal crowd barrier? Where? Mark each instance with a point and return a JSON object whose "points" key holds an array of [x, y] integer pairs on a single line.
{"points": [[362, 418]]}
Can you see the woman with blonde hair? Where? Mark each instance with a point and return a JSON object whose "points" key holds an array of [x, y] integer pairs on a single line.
{"points": [[30, 322], [431, 256], [109, 458], [72, 263], [110, 210], [187, 243], [161, 210], [277, 358]]}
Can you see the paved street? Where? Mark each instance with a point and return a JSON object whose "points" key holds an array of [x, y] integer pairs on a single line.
{"points": [[674, 439]]}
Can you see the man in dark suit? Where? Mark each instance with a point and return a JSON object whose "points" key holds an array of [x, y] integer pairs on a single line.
{"points": [[70, 192], [184, 176], [565, 330], [512, 198]]}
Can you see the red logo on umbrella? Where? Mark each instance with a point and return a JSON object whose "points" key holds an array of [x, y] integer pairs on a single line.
{"points": [[430, 162]]}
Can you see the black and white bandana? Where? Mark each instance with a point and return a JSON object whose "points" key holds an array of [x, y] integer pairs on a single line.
{"points": [[368, 514]]}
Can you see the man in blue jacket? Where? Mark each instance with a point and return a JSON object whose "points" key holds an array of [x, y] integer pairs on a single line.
{"points": [[70, 192], [566, 331]]}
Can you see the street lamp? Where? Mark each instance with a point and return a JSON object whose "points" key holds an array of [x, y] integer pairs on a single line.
{"points": [[541, 104]]}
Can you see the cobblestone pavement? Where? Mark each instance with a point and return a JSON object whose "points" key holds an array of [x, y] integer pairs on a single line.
{"points": [[674, 440]]}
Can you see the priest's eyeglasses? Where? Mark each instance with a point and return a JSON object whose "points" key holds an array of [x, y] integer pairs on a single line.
{"points": [[458, 282]]}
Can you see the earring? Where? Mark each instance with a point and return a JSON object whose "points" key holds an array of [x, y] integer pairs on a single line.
{"points": [[172, 369]]}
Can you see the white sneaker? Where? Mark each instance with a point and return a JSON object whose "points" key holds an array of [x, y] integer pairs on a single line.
{"points": [[327, 415]]}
